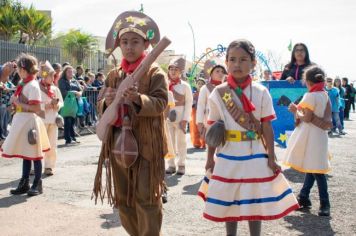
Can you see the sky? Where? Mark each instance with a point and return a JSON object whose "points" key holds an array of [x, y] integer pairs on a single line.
{"points": [[327, 27]]}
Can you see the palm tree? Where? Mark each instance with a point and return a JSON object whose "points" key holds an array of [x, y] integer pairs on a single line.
{"points": [[79, 44], [8, 23], [34, 23]]}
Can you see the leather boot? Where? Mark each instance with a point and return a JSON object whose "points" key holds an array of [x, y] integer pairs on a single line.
{"points": [[22, 188], [36, 188], [324, 209]]}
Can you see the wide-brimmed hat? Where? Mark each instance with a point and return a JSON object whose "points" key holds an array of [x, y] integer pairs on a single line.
{"points": [[211, 64], [178, 62], [132, 21]]}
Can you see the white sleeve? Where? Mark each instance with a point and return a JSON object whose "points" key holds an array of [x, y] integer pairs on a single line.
{"points": [[214, 114], [188, 103], [267, 110], [202, 104]]}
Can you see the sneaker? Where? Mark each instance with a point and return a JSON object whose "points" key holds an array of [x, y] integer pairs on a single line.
{"points": [[48, 171], [304, 202], [181, 170], [342, 132], [171, 170], [324, 209]]}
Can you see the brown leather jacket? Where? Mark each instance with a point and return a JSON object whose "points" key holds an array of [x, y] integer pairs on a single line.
{"points": [[147, 120]]}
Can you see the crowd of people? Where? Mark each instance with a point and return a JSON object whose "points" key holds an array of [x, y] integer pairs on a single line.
{"points": [[227, 113]]}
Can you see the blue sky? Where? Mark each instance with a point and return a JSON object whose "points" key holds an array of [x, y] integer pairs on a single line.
{"points": [[328, 27]]}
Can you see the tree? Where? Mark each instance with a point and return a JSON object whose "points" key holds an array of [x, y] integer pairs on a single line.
{"points": [[79, 44], [8, 20], [34, 23]]}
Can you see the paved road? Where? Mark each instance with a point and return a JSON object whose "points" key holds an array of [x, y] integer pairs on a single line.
{"points": [[65, 208]]}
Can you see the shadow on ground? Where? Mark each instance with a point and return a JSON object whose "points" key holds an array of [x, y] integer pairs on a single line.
{"points": [[12, 200], [309, 224], [172, 180], [191, 189]]}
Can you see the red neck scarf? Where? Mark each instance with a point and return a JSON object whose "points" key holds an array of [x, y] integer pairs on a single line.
{"points": [[48, 89], [248, 106], [215, 82], [173, 82], [128, 67], [22, 84], [318, 87]]}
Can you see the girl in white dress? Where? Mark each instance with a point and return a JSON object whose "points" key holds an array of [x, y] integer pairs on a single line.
{"points": [[27, 138], [246, 183], [307, 149]]}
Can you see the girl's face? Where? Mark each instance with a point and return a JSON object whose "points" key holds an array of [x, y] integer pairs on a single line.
{"points": [[22, 72], [239, 63], [218, 74], [337, 82], [200, 84], [132, 46], [343, 82], [174, 72], [299, 53], [49, 79], [69, 73]]}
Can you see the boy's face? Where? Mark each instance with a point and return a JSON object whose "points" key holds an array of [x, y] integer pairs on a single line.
{"points": [[200, 84], [218, 74], [174, 72], [239, 63], [329, 83], [132, 46]]}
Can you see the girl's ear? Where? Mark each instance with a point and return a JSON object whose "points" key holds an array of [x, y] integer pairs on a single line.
{"points": [[254, 63]]}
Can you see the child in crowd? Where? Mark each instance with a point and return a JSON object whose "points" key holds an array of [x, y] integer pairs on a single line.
{"points": [[196, 137], [307, 149], [334, 97]]}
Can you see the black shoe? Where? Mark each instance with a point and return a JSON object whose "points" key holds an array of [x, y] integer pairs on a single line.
{"points": [[304, 202], [324, 209], [22, 188], [164, 198], [36, 188]]}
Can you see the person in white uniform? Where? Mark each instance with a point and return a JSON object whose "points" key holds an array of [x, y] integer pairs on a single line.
{"points": [[179, 115]]}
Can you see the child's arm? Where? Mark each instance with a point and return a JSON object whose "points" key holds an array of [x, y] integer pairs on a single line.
{"points": [[305, 115], [210, 163], [268, 137]]}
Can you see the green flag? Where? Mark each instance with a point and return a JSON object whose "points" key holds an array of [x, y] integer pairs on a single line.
{"points": [[290, 45]]}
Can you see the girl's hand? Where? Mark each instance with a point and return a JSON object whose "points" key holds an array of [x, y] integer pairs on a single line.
{"points": [[273, 165], [293, 108], [210, 165], [290, 79], [14, 100]]}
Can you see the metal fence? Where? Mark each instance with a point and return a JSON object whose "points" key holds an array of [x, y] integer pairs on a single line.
{"points": [[93, 60]]}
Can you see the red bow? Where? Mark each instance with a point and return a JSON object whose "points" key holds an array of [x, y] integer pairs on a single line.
{"points": [[172, 83], [215, 82], [22, 84], [318, 87], [248, 106], [128, 67], [50, 93]]}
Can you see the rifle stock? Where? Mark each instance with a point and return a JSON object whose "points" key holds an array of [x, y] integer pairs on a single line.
{"points": [[110, 115]]}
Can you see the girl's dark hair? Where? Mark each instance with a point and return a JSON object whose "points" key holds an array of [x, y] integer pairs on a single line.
{"points": [[219, 66], [64, 72], [99, 74], [28, 63], [346, 80], [339, 80], [293, 60], [314, 74], [246, 45], [56, 66]]}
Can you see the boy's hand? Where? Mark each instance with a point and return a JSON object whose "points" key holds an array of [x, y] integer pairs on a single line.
{"points": [[132, 94], [210, 165]]}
